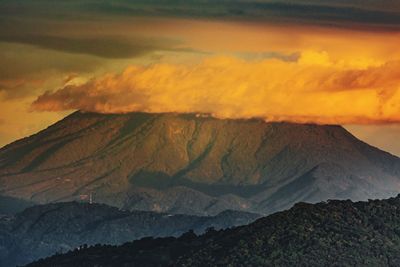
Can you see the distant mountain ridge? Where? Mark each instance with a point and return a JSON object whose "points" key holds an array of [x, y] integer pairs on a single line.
{"points": [[44, 230], [10, 205], [335, 233], [194, 164]]}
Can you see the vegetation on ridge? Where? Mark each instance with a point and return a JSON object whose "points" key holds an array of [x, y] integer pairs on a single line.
{"points": [[43, 230], [333, 233]]}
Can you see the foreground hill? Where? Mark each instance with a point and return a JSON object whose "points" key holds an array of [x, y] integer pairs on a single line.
{"points": [[336, 233], [192, 164], [41, 231]]}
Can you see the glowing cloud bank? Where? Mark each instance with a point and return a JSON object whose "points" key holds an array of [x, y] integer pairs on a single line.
{"points": [[311, 89]]}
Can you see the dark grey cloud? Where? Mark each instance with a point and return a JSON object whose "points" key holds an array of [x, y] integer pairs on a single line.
{"points": [[351, 13], [69, 27], [88, 37], [310, 12], [102, 46]]}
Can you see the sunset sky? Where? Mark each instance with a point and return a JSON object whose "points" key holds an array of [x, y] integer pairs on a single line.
{"points": [[313, 61]]}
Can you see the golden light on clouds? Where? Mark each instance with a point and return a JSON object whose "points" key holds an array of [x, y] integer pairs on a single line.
{"points": [[313, 88], [237, 69]]}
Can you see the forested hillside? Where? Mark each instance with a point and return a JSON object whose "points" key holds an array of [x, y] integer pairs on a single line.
{"points": [[335, 233]]}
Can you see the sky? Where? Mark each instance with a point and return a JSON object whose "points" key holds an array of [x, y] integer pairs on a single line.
{"points": [[305, 61]]}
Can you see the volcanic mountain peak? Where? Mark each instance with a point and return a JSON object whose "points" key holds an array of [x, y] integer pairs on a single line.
{"points": [[185, 163]]}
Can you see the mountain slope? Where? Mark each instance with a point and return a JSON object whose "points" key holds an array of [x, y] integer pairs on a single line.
{"points": [[10, 205], [337, 233], [194, 164], [44, 230]]}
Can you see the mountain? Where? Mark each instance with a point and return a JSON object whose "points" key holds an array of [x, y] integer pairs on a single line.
{"points": [[11, 205], [44, 230], [336, 233], [194, 164]]}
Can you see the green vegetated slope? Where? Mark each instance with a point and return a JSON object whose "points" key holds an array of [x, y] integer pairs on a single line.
{"points": [[194, 164], [336, 233]]}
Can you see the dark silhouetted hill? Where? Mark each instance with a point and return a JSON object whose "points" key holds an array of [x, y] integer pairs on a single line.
{"points": [[336, 233], [43, 230]]}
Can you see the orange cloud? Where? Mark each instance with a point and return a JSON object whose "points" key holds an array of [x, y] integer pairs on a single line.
{"points": [[313, 89]]}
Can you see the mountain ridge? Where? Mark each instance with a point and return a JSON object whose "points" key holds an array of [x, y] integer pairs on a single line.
{"points": [[332, 233], [44, 230]]}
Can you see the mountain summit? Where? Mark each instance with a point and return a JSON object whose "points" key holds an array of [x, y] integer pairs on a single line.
{"points": [[194, 164]]}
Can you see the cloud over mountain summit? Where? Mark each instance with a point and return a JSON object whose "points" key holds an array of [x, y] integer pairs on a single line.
{"points": [[312, 89]]}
